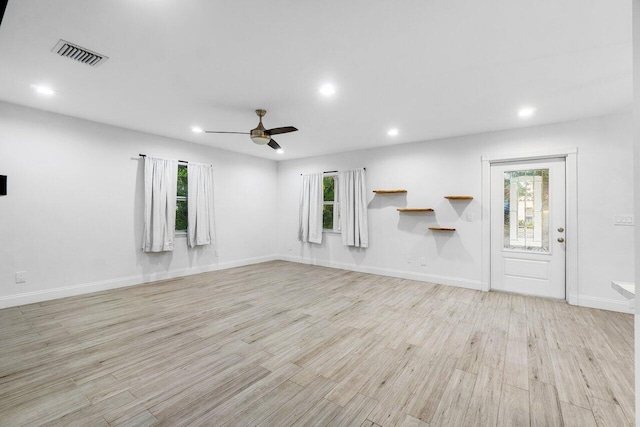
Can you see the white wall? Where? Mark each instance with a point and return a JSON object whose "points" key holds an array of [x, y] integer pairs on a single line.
{"points": [[636, 149], [430, 170], [73, 215]]}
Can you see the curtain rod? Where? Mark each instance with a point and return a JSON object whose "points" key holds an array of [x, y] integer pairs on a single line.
{"points": [[332, 171], [179, 161]]}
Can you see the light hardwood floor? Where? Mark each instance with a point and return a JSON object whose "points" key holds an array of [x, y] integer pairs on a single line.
{"points": [[281, 344]]}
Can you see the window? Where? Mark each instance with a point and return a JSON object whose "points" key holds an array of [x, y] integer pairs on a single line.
{"points": [[526, 210], [330, 211], [181, 199]]}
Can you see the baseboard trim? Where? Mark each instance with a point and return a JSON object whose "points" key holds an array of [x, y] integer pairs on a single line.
{"points": [[85, 288], [421, 277], [574, 299], [602, 303]]}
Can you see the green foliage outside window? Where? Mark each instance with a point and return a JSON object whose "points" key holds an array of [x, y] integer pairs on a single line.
{"points": [[182, 181], [181, 204], [328, 184], [327, 217], [328, 187], [181, 215]]}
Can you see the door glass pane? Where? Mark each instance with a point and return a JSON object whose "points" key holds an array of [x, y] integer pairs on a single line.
{"points": [[526, 210]]}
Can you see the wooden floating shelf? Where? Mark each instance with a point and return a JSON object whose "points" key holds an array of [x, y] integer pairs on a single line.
{"points": [[441, 229], [459, 197], [415, 210], [389, 191]]}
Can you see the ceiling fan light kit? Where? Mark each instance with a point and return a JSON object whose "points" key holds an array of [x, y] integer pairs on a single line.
{"points": [[262, 136], [260, 139]]}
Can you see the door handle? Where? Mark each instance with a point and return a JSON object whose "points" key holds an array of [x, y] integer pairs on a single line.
{"points": [[561, 229], [560, 239]]}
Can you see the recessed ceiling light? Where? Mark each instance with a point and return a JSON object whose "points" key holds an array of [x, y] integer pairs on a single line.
{"points": [[196, 129], [526, 112], [392, 132], [43, 90], [327, 89], [280, 151]]}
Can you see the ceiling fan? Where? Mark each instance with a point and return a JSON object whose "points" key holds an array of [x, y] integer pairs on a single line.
{"points": [[260, 135]]}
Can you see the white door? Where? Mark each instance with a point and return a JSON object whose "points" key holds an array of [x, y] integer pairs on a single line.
{"points": [[528, 227]]}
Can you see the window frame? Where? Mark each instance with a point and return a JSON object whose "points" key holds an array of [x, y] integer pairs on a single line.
{"points": [[335, 203]]}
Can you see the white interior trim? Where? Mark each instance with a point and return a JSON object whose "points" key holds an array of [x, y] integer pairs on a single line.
{"points": [[603, 303], [104, 285], [401, 274], [530, 155], [571, 266], [571, 163]]}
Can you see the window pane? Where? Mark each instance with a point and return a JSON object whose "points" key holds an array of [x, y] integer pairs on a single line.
{"points": [[182, 180], [181, 215], [328, 185], [327, 217], [526, 210]]}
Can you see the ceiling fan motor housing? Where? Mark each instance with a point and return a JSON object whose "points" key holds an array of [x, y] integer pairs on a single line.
{"points": [[258, 135]]}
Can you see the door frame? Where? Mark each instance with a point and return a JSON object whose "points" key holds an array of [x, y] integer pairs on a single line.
{"points": [[570, 156]]}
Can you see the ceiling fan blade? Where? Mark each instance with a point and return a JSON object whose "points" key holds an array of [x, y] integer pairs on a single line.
{"points": [[276, 131], [221, 131], [274, 144]]}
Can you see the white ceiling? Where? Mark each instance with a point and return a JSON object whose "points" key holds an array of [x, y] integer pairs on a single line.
{"points": [[431, 68]]}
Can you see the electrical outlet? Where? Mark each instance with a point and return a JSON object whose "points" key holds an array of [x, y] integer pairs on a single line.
{"points": [[623, 220], [408, 260], [423, 261], [469, 217], [21, 276]]}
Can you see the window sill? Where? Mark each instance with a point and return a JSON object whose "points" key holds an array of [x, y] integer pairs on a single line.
{"points": [[180, 234], [332, 231]]}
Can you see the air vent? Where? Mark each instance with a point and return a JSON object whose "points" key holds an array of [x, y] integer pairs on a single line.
{"points": [[80, 54]]}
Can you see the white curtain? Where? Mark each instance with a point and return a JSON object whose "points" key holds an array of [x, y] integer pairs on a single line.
{"points": [[353, 208], [311, 200], [160, 187], [201, 228]]}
